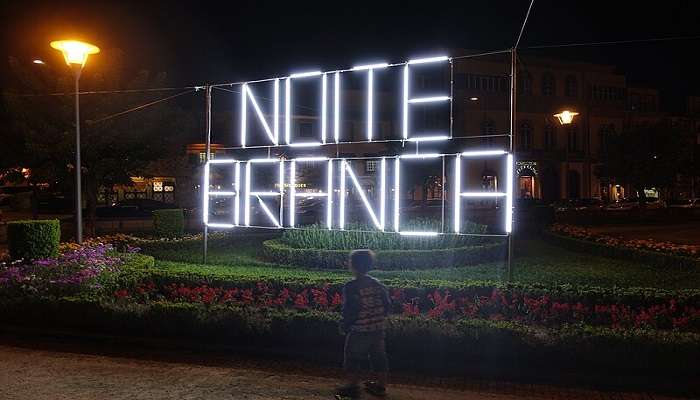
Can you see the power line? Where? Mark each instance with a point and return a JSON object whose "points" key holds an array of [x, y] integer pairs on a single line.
{"points": [[612, 42], [522, 28], [92, 122], [148, 90]]}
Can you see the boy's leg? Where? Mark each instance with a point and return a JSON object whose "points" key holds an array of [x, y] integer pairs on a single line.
{"points": [[352, 359], [378, 359]]}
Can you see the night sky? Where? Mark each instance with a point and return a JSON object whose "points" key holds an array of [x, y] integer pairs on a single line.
{"points": [[200, 42]]}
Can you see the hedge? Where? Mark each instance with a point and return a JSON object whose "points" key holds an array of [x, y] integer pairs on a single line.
{"points": [[643, 256], [414, 343], [33, 239], [169, 223], [276, 251], [217, 276]]}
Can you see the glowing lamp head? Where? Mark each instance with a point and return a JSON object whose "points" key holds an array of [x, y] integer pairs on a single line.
{"points": [[75, 52], [566, 117]]}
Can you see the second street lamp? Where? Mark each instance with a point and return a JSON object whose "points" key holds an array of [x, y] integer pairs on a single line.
{"points": [[76, 54]]}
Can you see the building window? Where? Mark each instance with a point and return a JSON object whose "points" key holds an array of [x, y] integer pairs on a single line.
{"points": [[573, 143], [550, 137], [487, 128], [371, 166], [524, 82], [571, 88], [525, 136], [604, 136], [203, 157], [548, 84]]}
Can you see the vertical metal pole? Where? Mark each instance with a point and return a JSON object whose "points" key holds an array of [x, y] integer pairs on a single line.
{"points": [[206, 158], [513, 94], [78, 186]]}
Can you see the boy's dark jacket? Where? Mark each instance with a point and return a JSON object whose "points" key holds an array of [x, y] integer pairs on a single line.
{"points": [[366, 304]]}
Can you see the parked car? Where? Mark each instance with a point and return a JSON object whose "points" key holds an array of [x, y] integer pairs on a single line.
{"points": [[132, 208], [648, 203], [591, 204], [689, 203]]}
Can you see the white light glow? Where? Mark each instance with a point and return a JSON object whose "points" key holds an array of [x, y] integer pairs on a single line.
{"points": [[509, 192], [336, 107], [324, 111], [308, 144], [428, 60], [305, 74], [407, 100], [428, 138], [426, 155], [458, 194], [222, 193], [370, 66], [432, 99], [484, 153], [397, 194], [418, 233], [247, 94], [259, 194], [378, 221], [370, 106], [293, 193], [218, 225]]}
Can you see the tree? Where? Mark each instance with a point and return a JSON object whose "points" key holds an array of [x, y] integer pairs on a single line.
{"points": [[113, 147], [647, 156]]}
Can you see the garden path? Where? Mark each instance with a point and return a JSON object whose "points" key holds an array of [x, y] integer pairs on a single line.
{"points": [[39, 374]]}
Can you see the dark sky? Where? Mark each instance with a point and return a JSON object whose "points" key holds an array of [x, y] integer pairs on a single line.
{"points": [[199, 42]]}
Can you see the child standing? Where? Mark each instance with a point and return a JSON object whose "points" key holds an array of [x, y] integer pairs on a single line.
{"points": [[365, 308]]}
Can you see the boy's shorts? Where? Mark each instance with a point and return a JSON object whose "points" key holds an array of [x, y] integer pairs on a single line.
{"points": [[359, 346]]}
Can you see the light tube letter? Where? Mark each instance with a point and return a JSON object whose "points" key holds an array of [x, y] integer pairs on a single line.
{"points": [[378, 222], [459, 194], [293, 193], [397, 194], [370, 94], [207, 193], [407, 100], [246, 94], [288, 108], [260, 194]]}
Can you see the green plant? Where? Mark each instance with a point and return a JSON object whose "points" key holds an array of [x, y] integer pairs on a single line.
{"points": [[357, 236], [169, 223], [33, 239], [409, 259]]}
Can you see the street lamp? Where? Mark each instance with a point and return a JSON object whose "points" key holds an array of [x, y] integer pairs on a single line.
{"points": [[76, 54], [566, 117]]}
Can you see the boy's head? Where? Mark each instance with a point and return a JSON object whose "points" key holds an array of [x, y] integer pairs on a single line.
{"points": [[361, 261]]}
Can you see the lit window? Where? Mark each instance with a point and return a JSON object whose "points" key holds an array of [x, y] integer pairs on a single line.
{"points": [[371, 165], [157, 186]]}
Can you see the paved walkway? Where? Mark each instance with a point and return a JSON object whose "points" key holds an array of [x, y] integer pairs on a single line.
{"points": [[27, 373]]}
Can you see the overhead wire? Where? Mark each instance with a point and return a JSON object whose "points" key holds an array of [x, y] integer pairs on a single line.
{"points": [[137, 108]]}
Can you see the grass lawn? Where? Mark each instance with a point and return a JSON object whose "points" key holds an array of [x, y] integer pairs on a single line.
{"points": [[535, 262]]}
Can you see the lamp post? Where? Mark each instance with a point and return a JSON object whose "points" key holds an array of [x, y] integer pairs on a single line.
{"points": [[76, 54]]}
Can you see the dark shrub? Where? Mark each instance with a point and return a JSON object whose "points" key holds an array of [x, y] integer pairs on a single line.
{"points": [[169, 223], [34, 239]]}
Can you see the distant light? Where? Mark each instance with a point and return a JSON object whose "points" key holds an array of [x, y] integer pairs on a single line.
{"points": [[428, 60], [38, 61], [473, 98], [566, 117], [305, 74], [370, 66]]}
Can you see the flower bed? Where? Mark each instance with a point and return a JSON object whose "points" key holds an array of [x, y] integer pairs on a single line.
{"points": [[76, 269], [442, 304], [645, 250]]}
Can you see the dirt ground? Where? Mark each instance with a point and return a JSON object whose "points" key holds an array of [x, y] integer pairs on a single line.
{"points": [[43, 374]]}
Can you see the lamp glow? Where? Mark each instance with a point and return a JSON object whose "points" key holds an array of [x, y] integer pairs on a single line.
{"points": [[428, 138], [336, 107], [369, 66], [305, 74], [75, 52], [566, 117], [432, 99]]}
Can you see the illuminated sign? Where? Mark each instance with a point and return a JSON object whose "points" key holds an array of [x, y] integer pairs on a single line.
{"points": [[269, 201]]}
